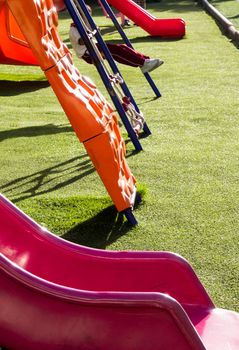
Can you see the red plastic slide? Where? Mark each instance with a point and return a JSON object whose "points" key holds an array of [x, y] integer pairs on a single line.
{"points": [[167, 28], [57, 295], [14, 48]]}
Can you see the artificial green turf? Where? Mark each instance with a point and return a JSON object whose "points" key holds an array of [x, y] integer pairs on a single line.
{"points": [[229, 9], [188, 169]]}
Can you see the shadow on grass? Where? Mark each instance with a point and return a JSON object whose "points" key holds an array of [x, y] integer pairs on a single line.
{"points": [[147, 99], [146, 39], [13, 88], [108, 30], [99, 231], [49, 179], [233, 17], [33, 131], [155, 39]]}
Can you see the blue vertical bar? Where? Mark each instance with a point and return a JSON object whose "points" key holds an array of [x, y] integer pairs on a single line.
{"points": [[110, 59], [128, 43], [73, 12]]}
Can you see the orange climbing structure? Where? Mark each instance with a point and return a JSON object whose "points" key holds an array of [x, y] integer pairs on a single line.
{"points": [[90, 115]]}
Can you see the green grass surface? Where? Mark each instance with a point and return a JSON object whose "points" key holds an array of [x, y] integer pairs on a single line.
{"points": [[188, 170], [229, 8]]}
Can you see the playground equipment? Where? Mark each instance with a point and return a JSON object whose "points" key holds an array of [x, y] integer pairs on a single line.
{"points": [[121, 96], [167, 28], [55, 294], [108, 12], [91, 116], [14, 49]]}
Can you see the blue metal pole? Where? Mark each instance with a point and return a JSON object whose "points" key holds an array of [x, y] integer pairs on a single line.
{"points": [[110, 59], [108, 84], [128, 43]]}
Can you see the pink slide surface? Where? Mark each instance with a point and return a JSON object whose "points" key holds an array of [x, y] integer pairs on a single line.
{"points": [[167, 28], [57, 295]]}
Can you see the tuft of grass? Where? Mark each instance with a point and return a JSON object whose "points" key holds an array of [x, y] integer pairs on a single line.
{"points": [[189, 166]]}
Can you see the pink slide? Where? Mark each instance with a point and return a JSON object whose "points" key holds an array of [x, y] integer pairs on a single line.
{"points": [[57, 295], [167, 28]]}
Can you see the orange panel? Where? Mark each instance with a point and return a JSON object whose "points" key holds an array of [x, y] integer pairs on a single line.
{"points": [[107, 152], [86, 109]]}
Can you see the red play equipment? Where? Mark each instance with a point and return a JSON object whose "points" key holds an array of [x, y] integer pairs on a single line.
{"points": [[57, 295], [14, 48], [166, 28], [59, 4]]}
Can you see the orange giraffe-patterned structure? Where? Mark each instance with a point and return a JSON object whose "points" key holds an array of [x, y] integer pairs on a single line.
{"points": [[90, 115]]}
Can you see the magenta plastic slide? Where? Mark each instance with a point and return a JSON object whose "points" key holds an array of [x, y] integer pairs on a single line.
{"points": [[57, 295], [164, 27]]}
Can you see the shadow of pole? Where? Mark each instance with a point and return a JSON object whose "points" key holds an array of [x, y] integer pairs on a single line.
{"points": [[33, 131], [99, 231], [13, 88], [49, 179]]}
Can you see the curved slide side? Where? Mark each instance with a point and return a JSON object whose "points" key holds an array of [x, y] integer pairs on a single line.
{"points": [[173, 28], [55, 294], [91, 116], [41, 306]]}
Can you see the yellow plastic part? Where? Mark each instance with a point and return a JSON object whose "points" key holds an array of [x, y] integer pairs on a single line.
{"points": [[91, 116]]}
